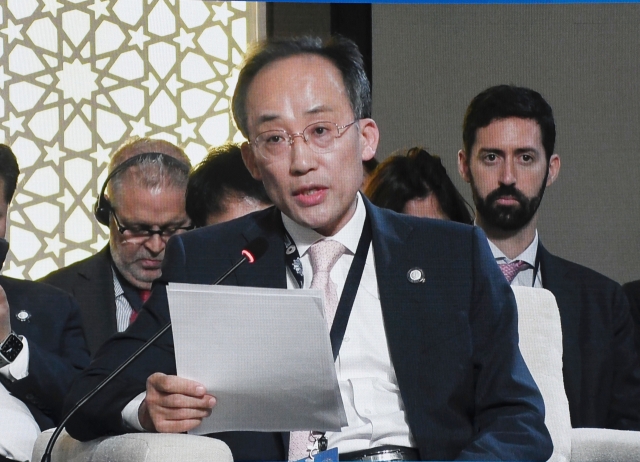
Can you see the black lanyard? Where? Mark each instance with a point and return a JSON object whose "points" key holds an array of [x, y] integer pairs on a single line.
{"points": [[536, 267], [351, 285]]}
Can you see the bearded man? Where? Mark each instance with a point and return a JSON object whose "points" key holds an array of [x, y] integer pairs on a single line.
{"points": [[508, 159]]}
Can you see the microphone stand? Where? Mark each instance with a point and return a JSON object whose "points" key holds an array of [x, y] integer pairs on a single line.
{"points": [[254, 250]]}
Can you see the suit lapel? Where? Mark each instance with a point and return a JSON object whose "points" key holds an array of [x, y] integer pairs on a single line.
{"points": [[554, 279], [96, 298], [268, 271]]}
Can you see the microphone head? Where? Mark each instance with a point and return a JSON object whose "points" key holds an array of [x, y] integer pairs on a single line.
{"points": [[255, 249]]}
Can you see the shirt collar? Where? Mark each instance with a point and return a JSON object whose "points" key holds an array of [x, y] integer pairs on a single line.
{"points": [[528, 255], [349, 235]]}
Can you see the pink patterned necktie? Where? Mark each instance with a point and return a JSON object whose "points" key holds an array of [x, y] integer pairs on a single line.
{"points": [[323, 255], [511, 270]]}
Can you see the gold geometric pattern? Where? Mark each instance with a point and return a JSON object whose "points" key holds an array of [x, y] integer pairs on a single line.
{"points": [[79, 77]]}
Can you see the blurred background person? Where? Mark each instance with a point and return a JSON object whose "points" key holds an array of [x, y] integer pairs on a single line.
{"points": [[142, 201], [416, 183], [221, 188]]}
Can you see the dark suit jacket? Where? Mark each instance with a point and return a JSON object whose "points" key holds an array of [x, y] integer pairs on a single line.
{"points": [[632, 289], [57, 350], [600, 362], [90, 281], [452, 340]]}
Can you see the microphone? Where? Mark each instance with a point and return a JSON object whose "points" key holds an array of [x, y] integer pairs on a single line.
{"points": [[252, 252]]}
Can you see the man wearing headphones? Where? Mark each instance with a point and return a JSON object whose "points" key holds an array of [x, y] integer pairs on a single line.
{"points": [[143, 203]]}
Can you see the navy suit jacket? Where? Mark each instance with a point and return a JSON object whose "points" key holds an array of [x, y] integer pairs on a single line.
{"points": [[632, 289], [453, 339], [600, 362], [90, 281], [57, 350]]}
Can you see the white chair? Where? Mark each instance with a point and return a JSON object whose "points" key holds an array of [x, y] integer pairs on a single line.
{"points": [[135, 447], [541, 346]]}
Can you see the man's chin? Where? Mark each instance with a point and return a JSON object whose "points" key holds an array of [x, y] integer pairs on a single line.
{"points": [[507, 221], [142, 278]]}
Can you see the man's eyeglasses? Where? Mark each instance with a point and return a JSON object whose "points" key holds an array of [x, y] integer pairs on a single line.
{"points": [[137, 234], [319, 136]]}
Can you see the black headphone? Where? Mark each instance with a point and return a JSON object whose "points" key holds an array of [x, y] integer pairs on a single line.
{"points": [[102, 210]]}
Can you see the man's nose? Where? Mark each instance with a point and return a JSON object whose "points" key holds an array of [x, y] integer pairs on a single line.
{"points": [[155, 244], [508, 176], [303, 159]]}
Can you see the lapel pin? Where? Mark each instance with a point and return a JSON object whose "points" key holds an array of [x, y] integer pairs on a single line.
{"points": [[290, 249], [415, 275], [23, 316]]}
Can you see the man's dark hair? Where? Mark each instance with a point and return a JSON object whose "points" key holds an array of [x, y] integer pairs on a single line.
{"points": [[504, 101], [415, 174], [342, 52], [220, 175], [9, 171]]}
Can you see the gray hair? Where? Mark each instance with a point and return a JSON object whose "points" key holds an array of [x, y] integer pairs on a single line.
{"points": [[171, 170]]}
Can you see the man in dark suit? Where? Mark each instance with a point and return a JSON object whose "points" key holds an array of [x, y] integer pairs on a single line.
{"points": [[508, 158], [112, 285], [428, 366], [40, 322]]}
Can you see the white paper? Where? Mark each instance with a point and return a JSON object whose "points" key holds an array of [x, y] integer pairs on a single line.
{"points": [[265, 355]]}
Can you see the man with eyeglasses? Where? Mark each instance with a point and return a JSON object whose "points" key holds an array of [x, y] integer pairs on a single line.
{"points": [[428, 363], [143, 204]]}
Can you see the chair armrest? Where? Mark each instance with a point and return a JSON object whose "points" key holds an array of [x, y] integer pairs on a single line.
{"points": [[134, 447], [604, 445]]}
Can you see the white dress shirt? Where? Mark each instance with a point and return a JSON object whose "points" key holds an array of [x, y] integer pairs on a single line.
{"points": [[18, 429], [523, 278], [367, 380], [123, 307]]}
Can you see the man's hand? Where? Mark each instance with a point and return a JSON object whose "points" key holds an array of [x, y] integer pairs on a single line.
{"points": [[174, 404], [5, 316]]}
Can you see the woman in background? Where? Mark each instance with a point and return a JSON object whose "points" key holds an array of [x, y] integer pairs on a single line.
{"points": [[416, 183]]}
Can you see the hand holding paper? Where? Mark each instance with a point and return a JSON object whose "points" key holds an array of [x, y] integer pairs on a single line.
{"points": [[174, 404]]}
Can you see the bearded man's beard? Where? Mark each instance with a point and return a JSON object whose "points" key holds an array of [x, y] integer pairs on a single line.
{"points": [[507, 217]]}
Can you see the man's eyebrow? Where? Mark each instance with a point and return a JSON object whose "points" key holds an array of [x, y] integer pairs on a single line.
{"points": [[490, 150], [171, 224], [319, 109], [526, 149], [521, 150], [266, 118]]}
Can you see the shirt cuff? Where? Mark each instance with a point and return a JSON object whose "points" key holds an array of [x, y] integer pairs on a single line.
{"points": [[130, 413], [19, 368]]}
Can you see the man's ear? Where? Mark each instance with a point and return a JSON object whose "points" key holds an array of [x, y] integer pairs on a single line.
{"points": [[370, 138], [554, 168], [249, 159], [463, 166]]}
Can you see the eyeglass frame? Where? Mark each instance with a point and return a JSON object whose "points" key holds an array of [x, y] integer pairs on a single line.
{"points": [[341, 131], [149, 232]]}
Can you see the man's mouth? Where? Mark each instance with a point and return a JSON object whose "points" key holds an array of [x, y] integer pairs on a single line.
{"points": [[150, 263], [507, 200], [309, 196]]}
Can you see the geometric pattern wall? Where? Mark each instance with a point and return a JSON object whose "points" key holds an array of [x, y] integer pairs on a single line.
{"points": [[79, 77]]}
